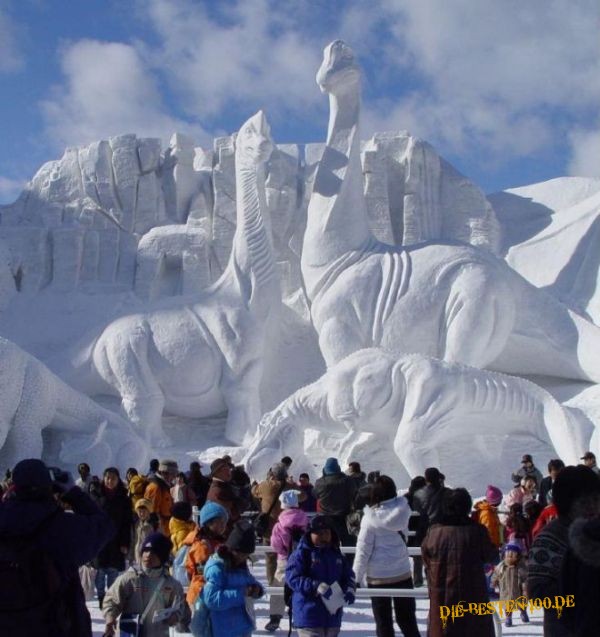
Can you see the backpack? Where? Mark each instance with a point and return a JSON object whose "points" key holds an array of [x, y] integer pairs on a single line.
{"points": [[179, 570], [30, 583]]}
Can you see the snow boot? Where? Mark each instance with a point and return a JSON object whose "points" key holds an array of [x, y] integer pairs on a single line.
{"points": [[524, 617], [100, 600], [273, 623], [508, 622]]}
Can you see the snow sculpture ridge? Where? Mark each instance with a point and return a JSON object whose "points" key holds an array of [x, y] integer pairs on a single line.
{"points": [[197, 356], [447, 300]]}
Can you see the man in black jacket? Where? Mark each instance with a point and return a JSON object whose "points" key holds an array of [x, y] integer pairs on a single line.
{"points": [[69, 540], [545, 487], [428, 500]]}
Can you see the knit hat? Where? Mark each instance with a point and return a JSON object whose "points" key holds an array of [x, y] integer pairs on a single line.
{"points": [[212, 511], [493, 495], [289, 499], [242, 537], [320, 523], [142, 502], [331, 466], [279, 471], [31, 474], [515, 548], [159, 544], [168, 465], [181, 511]]}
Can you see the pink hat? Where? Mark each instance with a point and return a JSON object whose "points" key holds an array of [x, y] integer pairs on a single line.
{"points": [[493, 495]]}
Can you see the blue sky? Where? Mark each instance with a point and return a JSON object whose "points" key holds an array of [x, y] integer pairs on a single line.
{"points": [[508, 91]]}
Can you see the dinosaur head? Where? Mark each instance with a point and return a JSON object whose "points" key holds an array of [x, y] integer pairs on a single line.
{"points": [[339, 71], [253, 144]]}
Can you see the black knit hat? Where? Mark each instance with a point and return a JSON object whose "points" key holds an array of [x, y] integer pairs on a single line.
{"points": [[159, 544], [181, 511], [320, 523], [242, 537]]}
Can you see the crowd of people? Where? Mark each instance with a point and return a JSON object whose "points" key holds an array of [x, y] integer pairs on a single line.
{"points": [[172, 548]]}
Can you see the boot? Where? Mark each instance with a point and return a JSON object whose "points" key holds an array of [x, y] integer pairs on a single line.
{"points": [[524, 616], [100, 600], [508, 622], [273, 623]]}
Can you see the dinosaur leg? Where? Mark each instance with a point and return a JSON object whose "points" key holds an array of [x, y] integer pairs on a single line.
{"points": [[242, 396], [339, 338]]}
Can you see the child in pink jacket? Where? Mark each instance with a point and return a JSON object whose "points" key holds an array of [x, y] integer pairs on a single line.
{"points": [[290, 526]]}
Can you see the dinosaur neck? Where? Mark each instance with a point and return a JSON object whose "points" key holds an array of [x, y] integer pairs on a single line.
{"points": [[337, 215], [251, 255]]}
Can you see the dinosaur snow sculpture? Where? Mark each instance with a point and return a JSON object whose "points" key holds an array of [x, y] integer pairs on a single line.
{"points": [[420, 405], [199, 356], [33, 399], [447, 300]]}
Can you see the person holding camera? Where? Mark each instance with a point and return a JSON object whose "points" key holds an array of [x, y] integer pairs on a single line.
{"points": [[41, 550]]}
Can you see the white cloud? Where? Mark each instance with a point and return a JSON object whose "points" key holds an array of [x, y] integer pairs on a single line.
{"points": [[585, 158], [10, 189], [108, 90], [11, 57]]}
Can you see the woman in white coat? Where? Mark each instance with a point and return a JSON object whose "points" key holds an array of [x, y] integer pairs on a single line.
{"points": [[382, 560]]}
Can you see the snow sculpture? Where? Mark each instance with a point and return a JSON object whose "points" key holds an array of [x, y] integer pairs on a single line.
{"points": [[34, 399], [447, 300], [419, 403], [197, 357]]}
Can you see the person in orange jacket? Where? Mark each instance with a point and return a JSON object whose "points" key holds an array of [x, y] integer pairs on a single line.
{"points": [[486, 513], [203, 543], [158, 492]]}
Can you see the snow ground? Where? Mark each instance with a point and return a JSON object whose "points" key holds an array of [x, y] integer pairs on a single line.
{"points": [[357, 622]]}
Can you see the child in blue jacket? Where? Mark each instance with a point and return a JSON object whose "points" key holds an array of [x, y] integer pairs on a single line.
{"points": [[229, 586], [312, 568]]}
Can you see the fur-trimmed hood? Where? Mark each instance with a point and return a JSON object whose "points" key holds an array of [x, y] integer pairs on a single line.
{"points": [[584, 539]]}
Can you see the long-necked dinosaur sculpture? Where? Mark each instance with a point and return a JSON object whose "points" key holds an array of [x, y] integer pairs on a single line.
{"points": [[448, 300], [200, 356]]}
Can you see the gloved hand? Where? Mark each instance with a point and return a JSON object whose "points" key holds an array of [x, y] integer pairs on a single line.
{"points": [[324, 590], [62, 481], [349, 597]]}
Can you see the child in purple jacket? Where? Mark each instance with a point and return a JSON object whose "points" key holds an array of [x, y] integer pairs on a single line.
{"points": [[290, 526]]}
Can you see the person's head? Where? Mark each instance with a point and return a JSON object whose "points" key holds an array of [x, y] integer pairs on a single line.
{"points": [[221, 469], [182, 511], [589, 459], [214, 517], [555, 467], [241, 542], [321, 531], [168, 470], [155, 551], [457, 504], [331, 467], [143, 508], [511, 554], [576, 493], [418, 482], [304, 479], [278, 472], [83, 469], [354, 468], [181, 480], [529, 484], [433, 476], [31, 480], [384, 488], [493, 495], [372, 476], [287, 461], [194, 467], [289, 499], [527, 462], [154, 464], [532, 510], [131, 472], [111, 478]]}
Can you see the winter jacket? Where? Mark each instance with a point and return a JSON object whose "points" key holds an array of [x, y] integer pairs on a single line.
{"points": [[282, 534], [543, 565], [309, 504], [487, 514], [69, 539], [159, 493], [428, 502], [454, 554], [518, 495], [511, 580], [534, 472], [178, 531], [268, 492], [307, 567], [201, 548], [224, 594], [224, 493], [118, 507], [133, 590], [335, 493], [580, 577], [381, 552], [544, 487], [547, 515]]}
